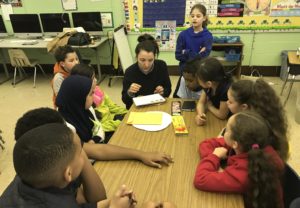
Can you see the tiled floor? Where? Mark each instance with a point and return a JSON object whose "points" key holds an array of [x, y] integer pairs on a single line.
{"points": [[14, 102]]}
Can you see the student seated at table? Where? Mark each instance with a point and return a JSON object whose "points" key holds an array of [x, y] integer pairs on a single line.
{"points": [[253, 168], [260, 97], [189, 87], [41, 182], [92, 187], [148, 75], [215, 83], [108, 112], [66, 58], [73, 101]]}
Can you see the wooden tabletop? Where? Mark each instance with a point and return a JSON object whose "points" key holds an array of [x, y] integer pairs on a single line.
{"points": [[173, 183], [293, 59]]}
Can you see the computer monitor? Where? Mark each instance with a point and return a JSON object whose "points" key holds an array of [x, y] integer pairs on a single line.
{"points": [[90, 21], [3, 32], [26, 25], [54, 23]]}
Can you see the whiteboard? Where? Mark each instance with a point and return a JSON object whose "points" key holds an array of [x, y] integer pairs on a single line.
{"points": [[123, 48]]}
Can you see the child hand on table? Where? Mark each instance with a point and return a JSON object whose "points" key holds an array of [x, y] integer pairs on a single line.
{"points": [[200, 119], [156, 159], [123, 198]]}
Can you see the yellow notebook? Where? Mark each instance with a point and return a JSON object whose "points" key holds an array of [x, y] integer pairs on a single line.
{"points": [[145, 118]]}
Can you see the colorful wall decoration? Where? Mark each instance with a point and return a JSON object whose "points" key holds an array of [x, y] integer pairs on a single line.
{"points": [[165, 34], [281, 8], [223, 14]]}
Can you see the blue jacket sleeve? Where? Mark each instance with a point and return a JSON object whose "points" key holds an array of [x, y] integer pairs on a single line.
{"points": [[208, 46], [180, 46]]}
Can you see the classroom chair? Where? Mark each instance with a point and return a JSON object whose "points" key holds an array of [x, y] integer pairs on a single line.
{"points": [[291, 185], [293, 70], [18, 60]]}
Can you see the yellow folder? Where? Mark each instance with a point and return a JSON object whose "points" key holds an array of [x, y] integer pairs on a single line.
{"points": [[145, 118]]}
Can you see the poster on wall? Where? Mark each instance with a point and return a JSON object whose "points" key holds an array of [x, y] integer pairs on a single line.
{"points": [[210, 5], [257, 8], [285, 8], [165, 34], [14, 3]]}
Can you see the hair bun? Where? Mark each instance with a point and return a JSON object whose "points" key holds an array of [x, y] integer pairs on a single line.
{"points": [[145, 37]]}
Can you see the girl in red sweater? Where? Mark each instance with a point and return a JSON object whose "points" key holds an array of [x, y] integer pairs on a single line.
{"points": [[253, 167], [260, 97]]}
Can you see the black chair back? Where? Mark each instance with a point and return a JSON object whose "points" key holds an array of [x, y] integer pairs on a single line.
{"points": [[291, 186]]}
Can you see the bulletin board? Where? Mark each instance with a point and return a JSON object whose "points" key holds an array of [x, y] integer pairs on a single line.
{"points": [[141, 15]]}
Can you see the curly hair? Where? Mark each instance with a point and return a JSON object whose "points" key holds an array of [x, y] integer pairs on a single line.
{"points": [[263, 174], [261, 98]]}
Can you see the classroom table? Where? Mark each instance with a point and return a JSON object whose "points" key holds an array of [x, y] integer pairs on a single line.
{"points": [[8, 43], [173, 183]]}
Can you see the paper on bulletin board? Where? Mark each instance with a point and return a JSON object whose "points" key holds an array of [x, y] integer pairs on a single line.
{"points": [[6, 11], [165, 34], [69, 4], [284, 8]]}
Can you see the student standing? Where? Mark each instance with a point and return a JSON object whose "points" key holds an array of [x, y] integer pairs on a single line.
{"points": [[260, 97], [148, 75], [253, 168], [196, 41], [215, 83]]}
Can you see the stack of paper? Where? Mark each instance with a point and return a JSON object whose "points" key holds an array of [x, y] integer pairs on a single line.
{"points": [[148, 99], [145, 118]]}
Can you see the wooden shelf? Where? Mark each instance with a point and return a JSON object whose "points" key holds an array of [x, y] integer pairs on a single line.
{"points": [[238, 64]]}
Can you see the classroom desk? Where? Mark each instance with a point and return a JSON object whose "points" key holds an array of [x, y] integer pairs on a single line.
{"points": [[173, 183], [42, 44], [293, 62]]}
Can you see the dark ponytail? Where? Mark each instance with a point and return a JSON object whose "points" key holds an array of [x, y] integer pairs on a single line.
{"points": [[211, 69], [147, 43], [263, 174]]}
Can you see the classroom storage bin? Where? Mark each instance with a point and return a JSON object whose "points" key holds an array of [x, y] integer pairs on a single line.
{"points": [[232, 54]]}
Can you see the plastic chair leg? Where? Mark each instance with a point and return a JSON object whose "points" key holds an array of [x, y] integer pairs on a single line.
{"points": [[285, 81]]}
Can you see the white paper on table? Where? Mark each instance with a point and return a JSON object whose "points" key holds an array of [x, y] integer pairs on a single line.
{"points": [[6, 11], [166, 120]]}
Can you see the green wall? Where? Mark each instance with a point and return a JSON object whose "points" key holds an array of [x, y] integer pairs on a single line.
{"points": [[261, 48]]}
